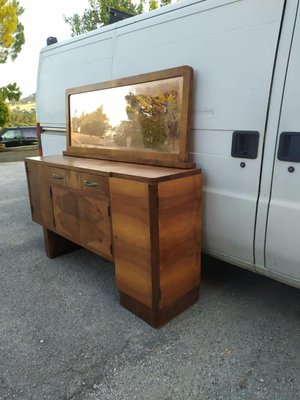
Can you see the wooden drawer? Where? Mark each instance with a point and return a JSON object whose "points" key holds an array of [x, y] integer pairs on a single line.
{"points": [[88, 183], [94, 184], [56, 175]]}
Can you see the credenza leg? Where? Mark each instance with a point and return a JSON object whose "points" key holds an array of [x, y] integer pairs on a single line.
{"points": [[157, 317], [56, 245]]}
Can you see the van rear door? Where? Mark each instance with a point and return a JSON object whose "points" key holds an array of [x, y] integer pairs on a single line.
{"points": [[282, 251]]}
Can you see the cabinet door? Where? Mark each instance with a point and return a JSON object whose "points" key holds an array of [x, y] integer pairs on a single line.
{"points": [[65, 211], [39, 194], [83, 219], [94, 222]]}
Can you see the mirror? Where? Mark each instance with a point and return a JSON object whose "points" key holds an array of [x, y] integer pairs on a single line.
{"points": [[143, 114]]}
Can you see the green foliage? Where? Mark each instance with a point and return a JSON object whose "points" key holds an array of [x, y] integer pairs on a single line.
{"points": [[128, 134], [152, 121], [97, 15], [11, 30], [153, 4], [95, 123], [165, 2], [4, 113], [9, 92], [20, 117]]}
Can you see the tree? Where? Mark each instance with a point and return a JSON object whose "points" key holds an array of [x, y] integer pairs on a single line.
{"points": [[11, 41], [20, 117], [152, 121], [97, 14], [95, 123], [9, 92], [4, 113], [11, 30]]}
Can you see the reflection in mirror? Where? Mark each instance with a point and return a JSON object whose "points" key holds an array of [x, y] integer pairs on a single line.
{"points": [[143, 116]]}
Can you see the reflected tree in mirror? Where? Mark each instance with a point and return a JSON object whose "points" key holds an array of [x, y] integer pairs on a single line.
{"points": [[95, 123], [156, 117]]}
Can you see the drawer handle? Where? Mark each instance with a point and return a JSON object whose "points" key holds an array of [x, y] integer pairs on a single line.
{"points": [[56, 176], [90, 184]]}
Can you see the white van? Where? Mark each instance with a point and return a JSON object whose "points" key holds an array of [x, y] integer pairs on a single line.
{"points": [[245, 119]]}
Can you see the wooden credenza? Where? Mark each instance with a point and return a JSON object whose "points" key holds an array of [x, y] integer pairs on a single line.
{"points": [[146, 219]]}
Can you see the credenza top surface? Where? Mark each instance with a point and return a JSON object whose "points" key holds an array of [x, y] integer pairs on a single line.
{"points": [[115, 168]]}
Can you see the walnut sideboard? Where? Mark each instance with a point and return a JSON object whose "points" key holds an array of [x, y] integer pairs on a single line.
{"points": [[146, 219]]}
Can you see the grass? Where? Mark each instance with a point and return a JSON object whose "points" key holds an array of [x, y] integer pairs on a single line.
{"points": [[22, 106]]}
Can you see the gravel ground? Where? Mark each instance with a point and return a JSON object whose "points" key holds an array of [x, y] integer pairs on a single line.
{"points": [[64, 336]]}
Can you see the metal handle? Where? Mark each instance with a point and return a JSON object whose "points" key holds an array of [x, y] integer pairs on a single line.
{"points": [[244, 144], [90, 184], [289, 147], [56, 176]]}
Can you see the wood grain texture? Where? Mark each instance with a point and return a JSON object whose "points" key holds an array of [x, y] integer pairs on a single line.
{"points": [[39, 195], [179, 233], [169, 160], [131, 234], [95, 226], [157, 317], [152, 219], [83, 219], [66, 213], [125, 170]]}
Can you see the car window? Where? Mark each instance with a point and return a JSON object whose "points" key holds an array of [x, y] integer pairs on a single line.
{"points": [[29, 133], [12, 134]]}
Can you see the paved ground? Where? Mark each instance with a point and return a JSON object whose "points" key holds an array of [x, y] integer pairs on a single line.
{"points": [[63, 335], [17, 153]]}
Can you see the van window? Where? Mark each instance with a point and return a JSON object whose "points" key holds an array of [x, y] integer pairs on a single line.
{"points": [[29, 133]]}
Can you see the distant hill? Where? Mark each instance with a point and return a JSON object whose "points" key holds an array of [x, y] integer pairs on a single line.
{"points": [[28, 99]]}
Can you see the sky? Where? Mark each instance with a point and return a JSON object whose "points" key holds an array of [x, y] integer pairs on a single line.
{"points": [[41, 19]]}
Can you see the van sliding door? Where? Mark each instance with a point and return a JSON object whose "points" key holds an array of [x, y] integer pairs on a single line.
{"points": [[282, 251]]}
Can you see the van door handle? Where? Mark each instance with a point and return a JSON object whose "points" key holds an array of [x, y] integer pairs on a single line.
{"points": [[289, 147], [244, 144]]}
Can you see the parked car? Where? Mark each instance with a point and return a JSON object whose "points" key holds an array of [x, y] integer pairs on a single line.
{"points": [[18, 136]]}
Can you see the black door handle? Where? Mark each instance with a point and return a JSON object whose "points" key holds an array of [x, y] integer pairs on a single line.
{"points": [[289, 146], [244, 144]]}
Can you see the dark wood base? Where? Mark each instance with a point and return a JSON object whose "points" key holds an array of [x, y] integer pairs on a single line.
{"points": [[56, 245], [159, 317]]}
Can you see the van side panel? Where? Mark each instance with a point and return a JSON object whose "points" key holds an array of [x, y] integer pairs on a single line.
{"points": [[79, 62], [231, 45]]}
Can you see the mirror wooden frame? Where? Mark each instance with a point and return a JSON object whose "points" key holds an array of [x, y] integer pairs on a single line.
{"points": [[179, 159]]}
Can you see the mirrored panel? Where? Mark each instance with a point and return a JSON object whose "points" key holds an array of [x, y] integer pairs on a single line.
{"points": [[143, 118]]}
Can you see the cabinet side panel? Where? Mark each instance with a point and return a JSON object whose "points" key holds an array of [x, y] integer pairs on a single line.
{"points": [[39, 194], [131, 233], [179, 228]]}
